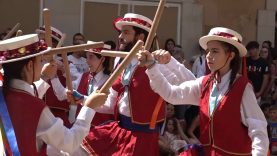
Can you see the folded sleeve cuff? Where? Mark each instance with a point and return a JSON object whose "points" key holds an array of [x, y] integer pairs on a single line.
{"points": [[86, 114]]}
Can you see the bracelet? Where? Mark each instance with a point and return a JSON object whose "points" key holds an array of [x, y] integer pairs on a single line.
{"points": [[153, 62]]}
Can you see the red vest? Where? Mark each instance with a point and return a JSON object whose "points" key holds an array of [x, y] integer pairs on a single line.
{"points": [[142, 99], [25, 111], [223, 130], [58, 108], [98, 118]]}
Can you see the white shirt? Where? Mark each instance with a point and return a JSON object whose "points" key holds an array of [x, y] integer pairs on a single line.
{"points": [[60, 92], [166, 70], [51, 130], [42, 87], [190, 91], [77, 66], [198, 68]]}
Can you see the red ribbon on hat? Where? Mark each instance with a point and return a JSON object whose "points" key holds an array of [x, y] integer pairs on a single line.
{"points": [[52, 32], [23, 51], [227, 35], [136, 20]]}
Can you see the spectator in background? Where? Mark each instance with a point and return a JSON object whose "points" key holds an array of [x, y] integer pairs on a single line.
{"points": [[267, 44], [265, 53], [265, 107], [78, 37], [257, 69], [199, 65], [169, 45], [178, 54], [193, 130], [273, 128], [77, 60], [174, 136]]}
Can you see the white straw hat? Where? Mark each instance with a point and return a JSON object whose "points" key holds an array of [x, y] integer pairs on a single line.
{"points": [[55, 33], [133, 20], [22, 47], [225, 35]]}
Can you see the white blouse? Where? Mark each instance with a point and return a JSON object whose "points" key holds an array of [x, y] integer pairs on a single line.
{"points": [[50, 130], [168, 71], [190, 91]]}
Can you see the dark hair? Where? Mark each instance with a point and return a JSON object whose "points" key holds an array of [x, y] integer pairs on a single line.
{"points": [[111, 43], [252, 45], [106, 63], [13, 70], [234, 64], [166, 42], [175, 131], [141, 31], [265, 105], [269, 56], [268, 42], [78, 34]]}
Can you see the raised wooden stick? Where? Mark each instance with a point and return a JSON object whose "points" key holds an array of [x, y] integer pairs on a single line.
{"points": [[47, 25], [19, 33], [147, 46], [113, 53], [66, 68], [80, 47], [105, 88], [10, 33], [155, 24]]}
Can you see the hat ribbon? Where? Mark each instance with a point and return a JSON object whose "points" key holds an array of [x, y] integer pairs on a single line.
{"points": [[227, 35]]}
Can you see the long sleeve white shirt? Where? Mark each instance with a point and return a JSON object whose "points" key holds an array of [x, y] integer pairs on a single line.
{"points": [[168, 71], [50, 130], [190, 91]]}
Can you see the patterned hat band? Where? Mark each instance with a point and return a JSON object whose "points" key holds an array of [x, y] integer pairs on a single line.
{"points": [[53, 33], [23, 51], [227, 35]]}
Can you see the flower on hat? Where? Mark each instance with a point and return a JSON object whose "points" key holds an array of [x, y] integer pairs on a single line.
{"points": [[22, 50]]}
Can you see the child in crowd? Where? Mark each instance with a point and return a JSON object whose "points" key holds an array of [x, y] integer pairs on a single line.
{"points": [[273, 128]]}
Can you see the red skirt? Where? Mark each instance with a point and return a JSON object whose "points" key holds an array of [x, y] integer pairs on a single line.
{"points": [[211, 151], [110, 139], [208, 151]]}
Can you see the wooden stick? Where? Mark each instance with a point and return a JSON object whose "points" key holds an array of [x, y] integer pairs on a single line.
{"points": [[19, 33], [66, 67], [47, 25], [147, 46], [105, 88], [74, 48], [157, 43], [154, 25], [10, 33], [114, 53], [60, 43]]}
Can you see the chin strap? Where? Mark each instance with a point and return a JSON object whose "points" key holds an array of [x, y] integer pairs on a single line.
{"points": [[100, 63]]}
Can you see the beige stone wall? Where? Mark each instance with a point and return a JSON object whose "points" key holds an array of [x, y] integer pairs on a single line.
{"points": [[240, 15], [25, 12]]}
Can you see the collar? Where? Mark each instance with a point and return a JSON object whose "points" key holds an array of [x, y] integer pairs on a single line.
{"points": [[98, 76], [134, 62], [224, 79], [22, 85]]}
